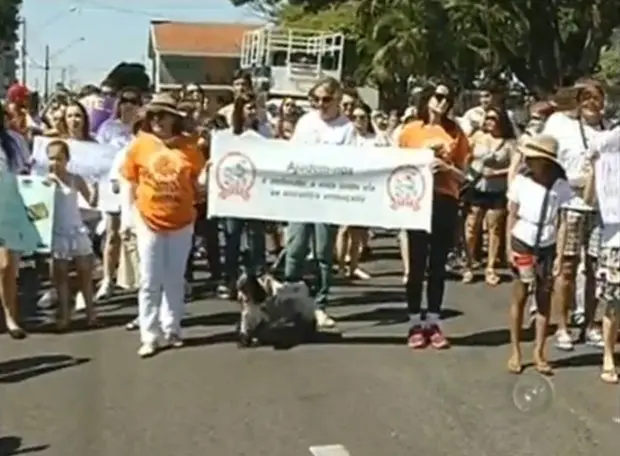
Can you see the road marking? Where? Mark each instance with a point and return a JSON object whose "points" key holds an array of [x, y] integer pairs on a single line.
{"points": [[329, 450]]}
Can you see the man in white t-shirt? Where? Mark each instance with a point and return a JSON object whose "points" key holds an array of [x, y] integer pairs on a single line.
{"points": [[325, 125]]}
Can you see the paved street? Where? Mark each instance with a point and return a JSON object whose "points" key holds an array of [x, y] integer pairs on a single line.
{"points": [[87, 393]]}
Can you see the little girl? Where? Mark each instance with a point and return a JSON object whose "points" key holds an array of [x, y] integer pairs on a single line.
{"points": [[535, 235], [70, 240]]}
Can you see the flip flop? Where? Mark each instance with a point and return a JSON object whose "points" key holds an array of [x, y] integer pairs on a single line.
{"points": [[514, 367], [543, 368], [609, 376], [491, 278]]}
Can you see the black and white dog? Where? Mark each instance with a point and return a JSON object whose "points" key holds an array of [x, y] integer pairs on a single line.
{"points": [[273, 313]]}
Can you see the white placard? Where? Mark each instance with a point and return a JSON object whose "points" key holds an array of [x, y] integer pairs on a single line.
{"points": [[607, 176], [89, 159], [268, 179]]}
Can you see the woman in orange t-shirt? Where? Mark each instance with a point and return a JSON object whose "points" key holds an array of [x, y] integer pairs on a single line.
{"points": [[163, 167], [434, 130]]}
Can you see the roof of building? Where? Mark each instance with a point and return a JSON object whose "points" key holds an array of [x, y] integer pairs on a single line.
{"points": [[197, 38]]}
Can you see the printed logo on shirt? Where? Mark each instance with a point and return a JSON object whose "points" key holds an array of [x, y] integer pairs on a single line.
{"points": [[163, 173], [235, 175], [406, 186]]}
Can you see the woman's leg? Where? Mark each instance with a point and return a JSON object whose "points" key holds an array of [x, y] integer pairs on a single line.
{"points": [[153, 271], [495, 223], [591, 333], [9, 265], [233, 229], [403, 244], [445, 216], [60, 280], [418, 242], [342, 248], [111, 255], [356, 236], [257, 240], [610, 336], [84, 267], [473, 227], [212, 240], [177, 245]]}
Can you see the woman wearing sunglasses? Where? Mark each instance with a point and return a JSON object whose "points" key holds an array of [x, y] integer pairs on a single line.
{"points": [[485, 194], [117, 132], [434, 130]]}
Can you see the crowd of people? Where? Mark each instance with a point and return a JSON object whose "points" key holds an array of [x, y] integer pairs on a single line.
{"points": [[529, 196]]}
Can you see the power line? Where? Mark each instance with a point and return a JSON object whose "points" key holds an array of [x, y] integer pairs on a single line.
{"points": [[150, 12]]}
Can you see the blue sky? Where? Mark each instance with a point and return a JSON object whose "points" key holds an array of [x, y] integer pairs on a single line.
{"points": [[112, 31]]}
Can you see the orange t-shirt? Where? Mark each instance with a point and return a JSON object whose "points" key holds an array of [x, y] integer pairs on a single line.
{"points": [[417, 135], [165, 176]]}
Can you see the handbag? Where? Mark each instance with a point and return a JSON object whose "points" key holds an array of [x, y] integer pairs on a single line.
{"points": [[473, 175], [127, 275]]}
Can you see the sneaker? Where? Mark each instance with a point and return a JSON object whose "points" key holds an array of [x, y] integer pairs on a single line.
{"points": [[436, 338], [104, 291], [563, 340], [323, 320], [417, 338], [133, 325], [48, 299], [174, 341], [594, 338], [578, 319], [223, 292], [80, 302], [147, 350]]}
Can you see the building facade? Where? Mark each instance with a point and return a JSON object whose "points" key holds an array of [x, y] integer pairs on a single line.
{"points": [[207, 54]]}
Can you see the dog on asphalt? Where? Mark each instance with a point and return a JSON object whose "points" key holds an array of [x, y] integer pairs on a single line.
{"points": [[273, 313]]}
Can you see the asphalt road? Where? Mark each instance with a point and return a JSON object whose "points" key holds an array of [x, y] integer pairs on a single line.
{"points": [[87, 393]]}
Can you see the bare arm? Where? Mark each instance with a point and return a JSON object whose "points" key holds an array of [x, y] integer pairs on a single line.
{"points": [[89, 193], [561, 239], [511, 220]]}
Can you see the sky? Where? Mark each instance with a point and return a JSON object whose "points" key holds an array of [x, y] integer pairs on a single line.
{"points": [[88, 38]]}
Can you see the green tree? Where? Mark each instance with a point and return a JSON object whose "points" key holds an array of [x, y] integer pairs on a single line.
{"points": [[9, 19], [609, 64]]}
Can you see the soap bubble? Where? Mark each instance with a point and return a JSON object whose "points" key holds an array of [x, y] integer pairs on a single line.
{"points": [[533, 393]]}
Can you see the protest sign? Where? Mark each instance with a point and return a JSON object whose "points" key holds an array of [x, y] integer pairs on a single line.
{"points": [[89, 159], [26, 213], [267, 179]]}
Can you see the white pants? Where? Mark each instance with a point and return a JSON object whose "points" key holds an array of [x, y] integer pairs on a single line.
{"points": [[163, 256]]}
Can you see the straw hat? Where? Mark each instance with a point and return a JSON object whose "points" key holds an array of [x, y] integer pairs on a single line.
{"points": [[162, 102], [540, 146]]}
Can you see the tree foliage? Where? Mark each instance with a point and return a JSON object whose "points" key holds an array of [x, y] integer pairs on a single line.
{"points": [[610, 62], [542, 42], [9, 20]]}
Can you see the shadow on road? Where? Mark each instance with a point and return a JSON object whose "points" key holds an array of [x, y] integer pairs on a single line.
{"points": [[494, 337], [12, 446], [21, 369], [384, 316], [588, 359]]}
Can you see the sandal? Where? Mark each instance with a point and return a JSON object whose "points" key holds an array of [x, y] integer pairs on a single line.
{"points": [[491, 278], [468, 276], [514, 367], [543, 368], [609, 376]]}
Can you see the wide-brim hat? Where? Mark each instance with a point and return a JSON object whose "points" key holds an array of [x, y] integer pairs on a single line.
{"points": [[162, 102], [540, 146]]}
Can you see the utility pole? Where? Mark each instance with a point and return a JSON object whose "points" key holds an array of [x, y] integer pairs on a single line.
{"points": [[24, 54], [46, 79]]}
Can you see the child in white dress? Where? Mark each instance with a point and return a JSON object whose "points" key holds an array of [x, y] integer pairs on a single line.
{"points": [[70, 240]]}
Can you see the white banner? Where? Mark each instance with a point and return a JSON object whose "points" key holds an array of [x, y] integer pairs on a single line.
{"points": [[267, 179]]}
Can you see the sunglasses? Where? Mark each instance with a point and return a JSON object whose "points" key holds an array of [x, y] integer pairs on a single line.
{"points": [[441, 97], [493, 118], [360, 117], [129, 100]]}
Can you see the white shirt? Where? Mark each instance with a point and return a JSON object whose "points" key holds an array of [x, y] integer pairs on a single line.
{"points": [[313, 129], [530, 195], [571, 148], [372, 140], [607, 180], [115, 133]]}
